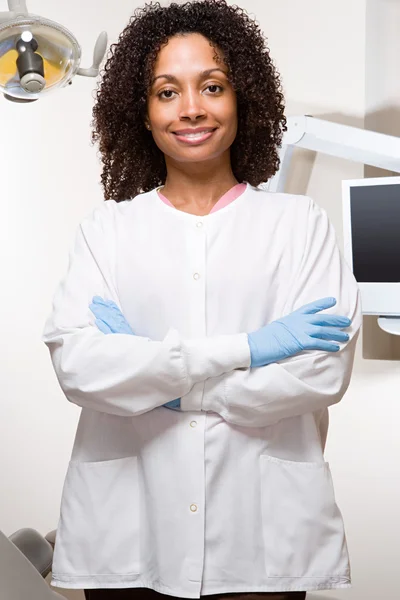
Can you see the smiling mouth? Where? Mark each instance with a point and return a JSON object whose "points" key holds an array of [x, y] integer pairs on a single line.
{"points": [[198, 136]]}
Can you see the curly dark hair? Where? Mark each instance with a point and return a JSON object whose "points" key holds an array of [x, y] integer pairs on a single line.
{"points": [[132, 163]]}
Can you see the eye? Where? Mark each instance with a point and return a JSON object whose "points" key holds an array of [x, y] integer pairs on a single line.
{"points": [[166, 97], [214, 88]]}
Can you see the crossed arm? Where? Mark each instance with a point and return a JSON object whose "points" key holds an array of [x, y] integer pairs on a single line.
{"points": [[129, 375]]}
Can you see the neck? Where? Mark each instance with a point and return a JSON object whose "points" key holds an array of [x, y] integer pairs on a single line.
{"points": [[194, 189]]}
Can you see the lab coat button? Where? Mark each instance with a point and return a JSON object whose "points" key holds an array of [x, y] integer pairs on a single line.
{"points": [[193, 507], [193, 423], [196, 276], [199, 224]]}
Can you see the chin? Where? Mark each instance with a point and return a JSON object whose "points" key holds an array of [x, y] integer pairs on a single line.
{"points": [[195, 159], [198, 154]]}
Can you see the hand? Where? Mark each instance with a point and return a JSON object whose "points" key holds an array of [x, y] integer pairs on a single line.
{"points": [[109, 319], [301, 330]]}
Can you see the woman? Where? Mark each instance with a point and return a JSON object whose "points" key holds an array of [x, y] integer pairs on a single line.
{"points": [[211, 288]]}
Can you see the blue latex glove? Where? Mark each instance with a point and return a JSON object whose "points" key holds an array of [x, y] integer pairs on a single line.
{"points": [[303, 329], [109, 319]]}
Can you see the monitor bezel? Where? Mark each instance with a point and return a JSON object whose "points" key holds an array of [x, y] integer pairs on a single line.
{"points": [[376, 298]]}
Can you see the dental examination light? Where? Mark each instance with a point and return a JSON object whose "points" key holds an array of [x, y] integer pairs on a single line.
{"points": [[38, 55]]}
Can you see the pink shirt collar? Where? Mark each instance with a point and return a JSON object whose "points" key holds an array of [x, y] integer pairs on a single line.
{"points": [[231, 195]]}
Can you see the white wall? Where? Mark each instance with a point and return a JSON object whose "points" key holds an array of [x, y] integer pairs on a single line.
{"points": [[49, 177], [49, 172]]}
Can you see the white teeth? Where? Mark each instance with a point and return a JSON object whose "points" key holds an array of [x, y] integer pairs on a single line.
{"points": [[193, 135]]}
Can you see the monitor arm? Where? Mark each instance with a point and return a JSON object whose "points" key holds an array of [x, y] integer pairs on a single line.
{"points": [[358, 145], [343, 141]]}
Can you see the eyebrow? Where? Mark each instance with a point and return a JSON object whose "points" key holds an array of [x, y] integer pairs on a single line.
{"points": [[202, 75]]}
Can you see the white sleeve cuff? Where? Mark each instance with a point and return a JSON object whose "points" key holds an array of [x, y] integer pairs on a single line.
{"points": [[211, 357], [194, 399]]}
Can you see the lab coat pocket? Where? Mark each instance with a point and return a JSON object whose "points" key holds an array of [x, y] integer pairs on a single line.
{"points": [[98, 532], [303, 530]]}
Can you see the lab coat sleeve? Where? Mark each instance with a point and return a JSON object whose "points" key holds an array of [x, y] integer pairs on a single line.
{"points": [[312, 380], [122, 374]]}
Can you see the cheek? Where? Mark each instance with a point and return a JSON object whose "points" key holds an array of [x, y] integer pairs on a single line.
{"points": [[229, 113], [161, 113], [234, 119], [160, 140], [231, 120], [156, 113]]}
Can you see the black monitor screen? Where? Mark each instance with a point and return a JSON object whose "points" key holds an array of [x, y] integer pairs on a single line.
{"points": [[375, 230]]}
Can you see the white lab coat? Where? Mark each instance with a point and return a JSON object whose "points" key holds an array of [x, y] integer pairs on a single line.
{"points": [[231, 494]]}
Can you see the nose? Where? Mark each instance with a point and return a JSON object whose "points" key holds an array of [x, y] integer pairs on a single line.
{"points": [[191, 106]]}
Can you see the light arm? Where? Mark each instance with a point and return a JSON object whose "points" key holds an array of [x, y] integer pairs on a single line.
{"points": [[98, 55], [16, 8]]}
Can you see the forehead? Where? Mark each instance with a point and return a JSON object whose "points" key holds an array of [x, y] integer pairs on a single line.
{"points": [[188, 53]]}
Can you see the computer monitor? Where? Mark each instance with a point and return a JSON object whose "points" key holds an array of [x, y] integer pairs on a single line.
{"points": [[371, 218]]}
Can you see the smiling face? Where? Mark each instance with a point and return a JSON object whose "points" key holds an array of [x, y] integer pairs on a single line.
{"points": [[191, 107]]}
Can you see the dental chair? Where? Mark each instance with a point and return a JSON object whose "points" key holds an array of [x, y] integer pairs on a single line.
{"points": [[25, 561]]}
